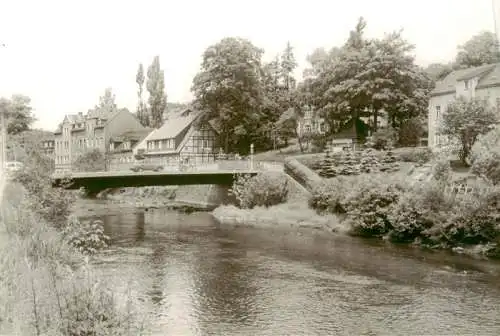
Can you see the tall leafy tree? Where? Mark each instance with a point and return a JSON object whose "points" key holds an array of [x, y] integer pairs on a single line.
{"points": [[481, 49], [229, 89], [368, 76], [465, 120], [18, 113], [437, 71], [288, 66], [157, 97], [141, 109]]}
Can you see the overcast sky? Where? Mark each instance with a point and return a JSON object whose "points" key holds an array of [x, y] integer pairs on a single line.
{"points": [[63, 54]]}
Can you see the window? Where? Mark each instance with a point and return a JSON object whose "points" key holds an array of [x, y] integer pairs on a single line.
{"points": [[466, 84], [438, 112]]}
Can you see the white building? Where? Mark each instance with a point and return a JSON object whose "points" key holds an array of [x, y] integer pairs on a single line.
{"points": [[481, 82]]}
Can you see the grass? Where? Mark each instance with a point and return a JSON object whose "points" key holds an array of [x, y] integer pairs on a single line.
{"points": [[283, 216], [49, 288]]}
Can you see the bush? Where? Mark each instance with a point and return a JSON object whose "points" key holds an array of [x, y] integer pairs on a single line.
{"points": [[382, 139], [91, 161], [441, 171], [413, 154], [264, 189], [485, 156], [86, 236], [418, 210], [410, 132], [364, 199]]}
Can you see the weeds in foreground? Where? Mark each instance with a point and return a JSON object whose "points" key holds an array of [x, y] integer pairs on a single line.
{"points": [[47, 286]]}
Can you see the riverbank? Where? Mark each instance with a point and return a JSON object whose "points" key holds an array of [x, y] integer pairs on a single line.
{"points": [[48, 287], [287, 216]]}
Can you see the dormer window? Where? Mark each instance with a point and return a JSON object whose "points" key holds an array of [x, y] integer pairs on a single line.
{"points": [[466, 84]]}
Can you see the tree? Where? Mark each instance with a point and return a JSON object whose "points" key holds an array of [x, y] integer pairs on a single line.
{"points": [[288, 66], [91, 161], [368, 76], [18, 113], [438, 71], [157, 96], [465, 120], [229, 89], [141, 109], [481, 49]]}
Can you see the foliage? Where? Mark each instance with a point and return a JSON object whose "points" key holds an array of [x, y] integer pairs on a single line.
{"points": [[410, 132], [45, 290], [438, 71], [441, 170], [485, 156], [366, 76], [364, 200], [465, 120], [382, 139], [141, 108], [18, 113], [229, 89], [86, 236], [93, 160], [414, 154], [52, 204], [264, 189], [155, 85], [481, 49]]}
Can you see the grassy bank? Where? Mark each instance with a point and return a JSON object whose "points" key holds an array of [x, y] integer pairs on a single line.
{"points": [[47, 285], [287, 216]]}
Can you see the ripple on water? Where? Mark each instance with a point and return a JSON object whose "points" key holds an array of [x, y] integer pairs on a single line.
{"points": [[207, 281]]}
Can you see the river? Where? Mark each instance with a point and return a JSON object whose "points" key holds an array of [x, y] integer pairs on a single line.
{"points": [[200, 279]]}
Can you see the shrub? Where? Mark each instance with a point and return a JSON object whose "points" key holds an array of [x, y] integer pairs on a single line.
{"points": [[90, 161], [264, 189], [328, 196], [364, 199], [383, 138], [418, 210], [410, 132], [485, 156], [86, 236], [414, 154], [441, 170], [369, 203]]}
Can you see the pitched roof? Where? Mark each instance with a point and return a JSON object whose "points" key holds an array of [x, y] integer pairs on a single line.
{"points": [[173, 127], [488, 75], [134, 135]]}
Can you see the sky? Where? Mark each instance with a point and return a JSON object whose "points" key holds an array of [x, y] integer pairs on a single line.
{"points": [[63, 54]]}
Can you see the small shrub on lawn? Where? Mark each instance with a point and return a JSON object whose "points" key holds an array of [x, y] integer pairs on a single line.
{"points": [[264, 189], [328, 196], [441, 171]]}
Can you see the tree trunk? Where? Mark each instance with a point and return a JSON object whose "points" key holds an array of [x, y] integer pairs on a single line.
{"points": [[375, 120]]}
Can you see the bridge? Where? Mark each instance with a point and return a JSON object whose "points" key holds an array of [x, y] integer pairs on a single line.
{"points": [[222, 173]]}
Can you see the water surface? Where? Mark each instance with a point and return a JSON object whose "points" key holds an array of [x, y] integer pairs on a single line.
{"points": [[200, 279]]}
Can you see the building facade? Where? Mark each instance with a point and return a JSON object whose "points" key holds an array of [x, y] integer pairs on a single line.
{"points": [[475, 83], [311, 123], [120, 154], [182, 139], [79, 133], [48, 147]]}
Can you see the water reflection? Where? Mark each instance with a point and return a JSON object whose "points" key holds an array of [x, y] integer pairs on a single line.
{"points": [[202, 280]]}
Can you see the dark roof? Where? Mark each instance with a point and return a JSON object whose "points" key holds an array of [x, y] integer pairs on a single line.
{"points": [[489, 75], [133, 135]]}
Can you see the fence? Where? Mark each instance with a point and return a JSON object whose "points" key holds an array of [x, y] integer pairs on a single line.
{"points": [[465, 189]]}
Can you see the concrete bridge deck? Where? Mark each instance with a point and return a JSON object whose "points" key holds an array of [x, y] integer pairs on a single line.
{"points": [[222, 175]]}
